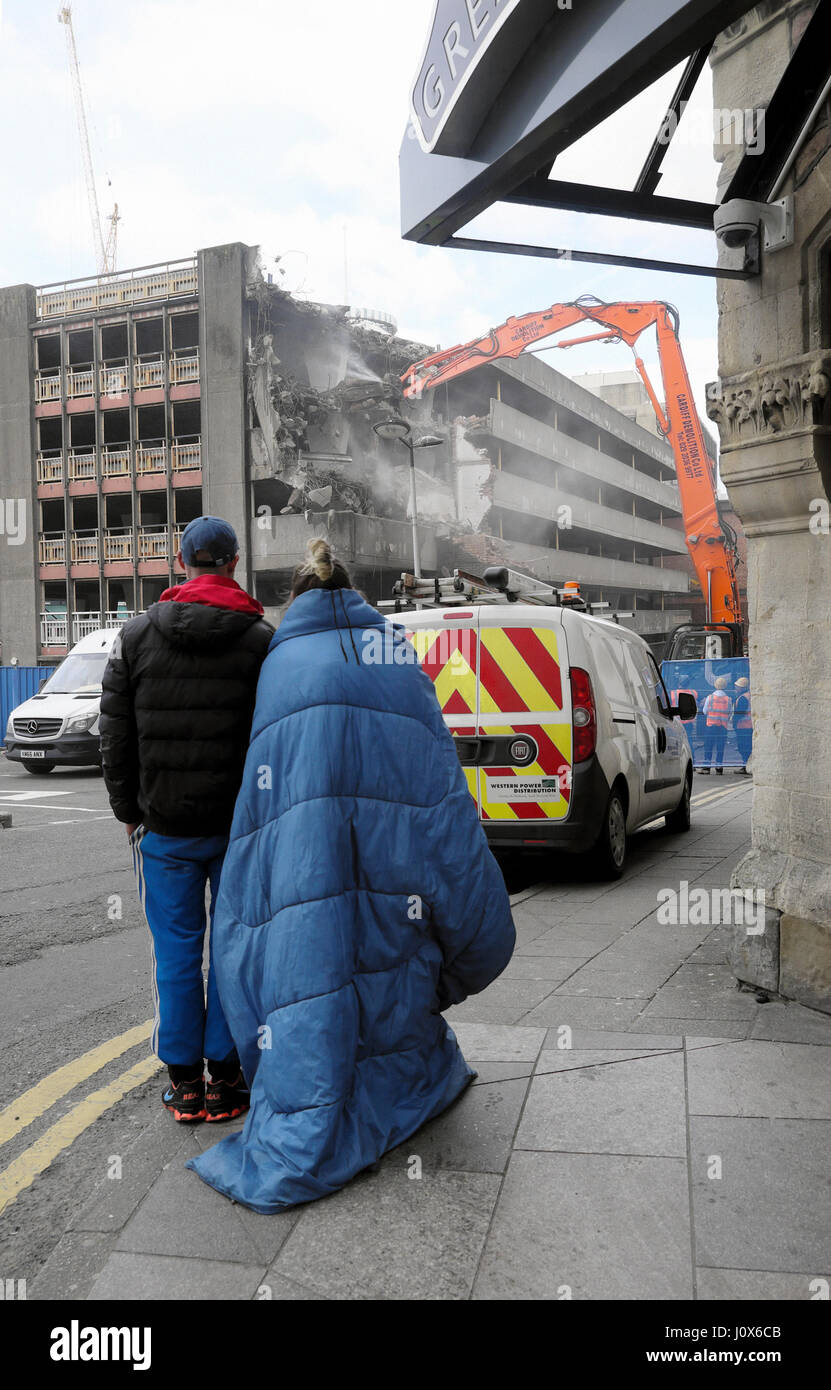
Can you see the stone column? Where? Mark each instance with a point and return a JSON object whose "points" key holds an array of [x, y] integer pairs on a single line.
{"points": [[772, 404]]}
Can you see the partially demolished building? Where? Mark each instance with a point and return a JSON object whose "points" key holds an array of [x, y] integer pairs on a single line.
{"points": [[533, 472], [130, 404]]}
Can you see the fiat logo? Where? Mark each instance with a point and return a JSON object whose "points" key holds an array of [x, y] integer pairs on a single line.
{"points": [[521, 751]]}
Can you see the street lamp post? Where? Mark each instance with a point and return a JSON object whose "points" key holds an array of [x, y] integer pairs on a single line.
{"points": [[396, 428]]}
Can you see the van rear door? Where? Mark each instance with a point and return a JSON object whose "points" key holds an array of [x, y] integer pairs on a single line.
{"points": [[447, 647], [523, 717]]}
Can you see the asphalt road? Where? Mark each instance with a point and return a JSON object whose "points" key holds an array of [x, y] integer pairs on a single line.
{"points": [[73, 974]]}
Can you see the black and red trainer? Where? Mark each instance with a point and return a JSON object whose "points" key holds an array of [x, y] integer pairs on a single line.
{"points": [[225, 1100], [186, 1100]]}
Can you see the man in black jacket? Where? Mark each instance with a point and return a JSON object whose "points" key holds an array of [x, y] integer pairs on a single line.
{"points": [[176, 709]]}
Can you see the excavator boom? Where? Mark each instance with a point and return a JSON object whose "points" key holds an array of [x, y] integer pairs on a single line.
{"points": [[710, 546]]}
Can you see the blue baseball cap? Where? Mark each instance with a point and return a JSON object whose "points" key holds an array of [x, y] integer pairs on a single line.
{"points": [[212, 535]]}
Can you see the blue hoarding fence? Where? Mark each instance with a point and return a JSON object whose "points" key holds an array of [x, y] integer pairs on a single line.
{"points": [[721, 735], [18, 683]]}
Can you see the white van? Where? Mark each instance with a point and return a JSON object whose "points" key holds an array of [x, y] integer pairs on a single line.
{"points": [[58, 727], [562, 725]]}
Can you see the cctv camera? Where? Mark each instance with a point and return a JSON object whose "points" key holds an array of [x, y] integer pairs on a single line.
{"points": [[736, 222]]}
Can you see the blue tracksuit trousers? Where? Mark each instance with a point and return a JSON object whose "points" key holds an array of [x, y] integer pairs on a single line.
{"points": [[172, 874]]}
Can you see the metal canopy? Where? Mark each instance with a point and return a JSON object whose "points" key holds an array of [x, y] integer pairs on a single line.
{"points": [[505, 85]]}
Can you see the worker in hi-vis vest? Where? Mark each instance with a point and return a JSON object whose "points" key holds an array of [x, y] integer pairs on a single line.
{"points": [[716, 709], [743, 723]]}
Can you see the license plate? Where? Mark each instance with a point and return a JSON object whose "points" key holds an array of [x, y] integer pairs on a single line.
{"points": [[32, 753]]}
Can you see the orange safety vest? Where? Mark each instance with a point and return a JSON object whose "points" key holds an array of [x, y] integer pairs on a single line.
{"points": [[744, 719], [718, 709]]}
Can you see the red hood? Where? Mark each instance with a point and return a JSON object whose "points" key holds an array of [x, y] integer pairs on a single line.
{"points": [[215, 589]]}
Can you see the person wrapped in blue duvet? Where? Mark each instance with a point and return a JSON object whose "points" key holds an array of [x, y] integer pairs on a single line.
{"points": [[358, 900]]}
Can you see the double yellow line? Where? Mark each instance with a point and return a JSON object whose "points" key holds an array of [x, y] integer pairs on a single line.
{"points": [[15, 1117], [704, 797]]}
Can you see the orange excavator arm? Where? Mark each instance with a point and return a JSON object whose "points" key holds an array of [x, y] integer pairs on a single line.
{"points": [[710, 546]]}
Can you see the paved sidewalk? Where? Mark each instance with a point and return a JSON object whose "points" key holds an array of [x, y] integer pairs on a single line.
{"points": [[640, 1129]]}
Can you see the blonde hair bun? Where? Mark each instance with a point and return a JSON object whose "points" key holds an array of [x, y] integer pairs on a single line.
{"points": [[318, 560]]}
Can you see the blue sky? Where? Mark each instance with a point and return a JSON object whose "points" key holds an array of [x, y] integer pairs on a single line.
{"points": [[279, 124]]}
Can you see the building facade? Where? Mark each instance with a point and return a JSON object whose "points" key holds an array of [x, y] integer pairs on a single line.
{"points": [[772, 405], [132, 403]]}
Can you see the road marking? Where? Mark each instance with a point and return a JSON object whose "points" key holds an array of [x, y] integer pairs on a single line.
{"points": [[32, 1103], [32, 796], [703, 797], [22, 1172], [93, 810]]}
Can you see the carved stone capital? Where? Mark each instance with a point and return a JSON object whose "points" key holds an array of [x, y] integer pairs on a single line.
{"points": [[775, 428]]}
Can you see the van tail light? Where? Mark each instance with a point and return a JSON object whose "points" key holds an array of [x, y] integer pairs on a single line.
{"points": [[583, 715]]}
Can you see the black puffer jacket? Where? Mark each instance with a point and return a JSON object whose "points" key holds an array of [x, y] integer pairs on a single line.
{"points": [[178, 697]]}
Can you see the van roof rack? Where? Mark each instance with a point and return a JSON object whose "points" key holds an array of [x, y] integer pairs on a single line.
{"points": [[498, 585]]}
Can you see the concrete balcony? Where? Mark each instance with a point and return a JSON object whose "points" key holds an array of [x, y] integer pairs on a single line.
{"points": [[52, 548], [80, 381], [47, 387], [118, 543], [148, 371], [115, 461], [53, 630], [114, 379], [152, 543], [562, 391], [516, 494], [359, 541], [151, 456], [184, 368], [85, 623], [50, 466], [165, 281], [83, 548], [651, 622], [556, 566], [186, 454], [82, 465], [509, 426]]}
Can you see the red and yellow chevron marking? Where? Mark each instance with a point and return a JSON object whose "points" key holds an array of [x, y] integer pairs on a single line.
{"points": [[448, 655], [519, 673], [553, 760], [519, 669]]}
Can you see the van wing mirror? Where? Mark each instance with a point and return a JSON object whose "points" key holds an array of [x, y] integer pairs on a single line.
{"points": [[687, 707], [41, 683]]}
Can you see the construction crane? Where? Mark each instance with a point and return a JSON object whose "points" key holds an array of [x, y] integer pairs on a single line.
{"points": [[711, 544], [105, 251]]}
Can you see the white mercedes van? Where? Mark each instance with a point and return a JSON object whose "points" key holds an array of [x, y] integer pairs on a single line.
{"points": [[58, 727], [562, 724]]}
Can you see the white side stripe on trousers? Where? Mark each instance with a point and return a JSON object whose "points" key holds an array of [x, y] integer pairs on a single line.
{"points": [[138, 866]]}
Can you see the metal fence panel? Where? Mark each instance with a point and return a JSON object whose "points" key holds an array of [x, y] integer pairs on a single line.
{"points": [[18, 683]]}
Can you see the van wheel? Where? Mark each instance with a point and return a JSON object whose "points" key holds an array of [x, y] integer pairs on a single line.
{"points": [[679, 820], [609, 853], [37, 769]]}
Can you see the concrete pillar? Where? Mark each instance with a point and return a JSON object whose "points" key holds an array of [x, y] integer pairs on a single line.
{"points": [[223, 352], [18, 504], [772, 404]]}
